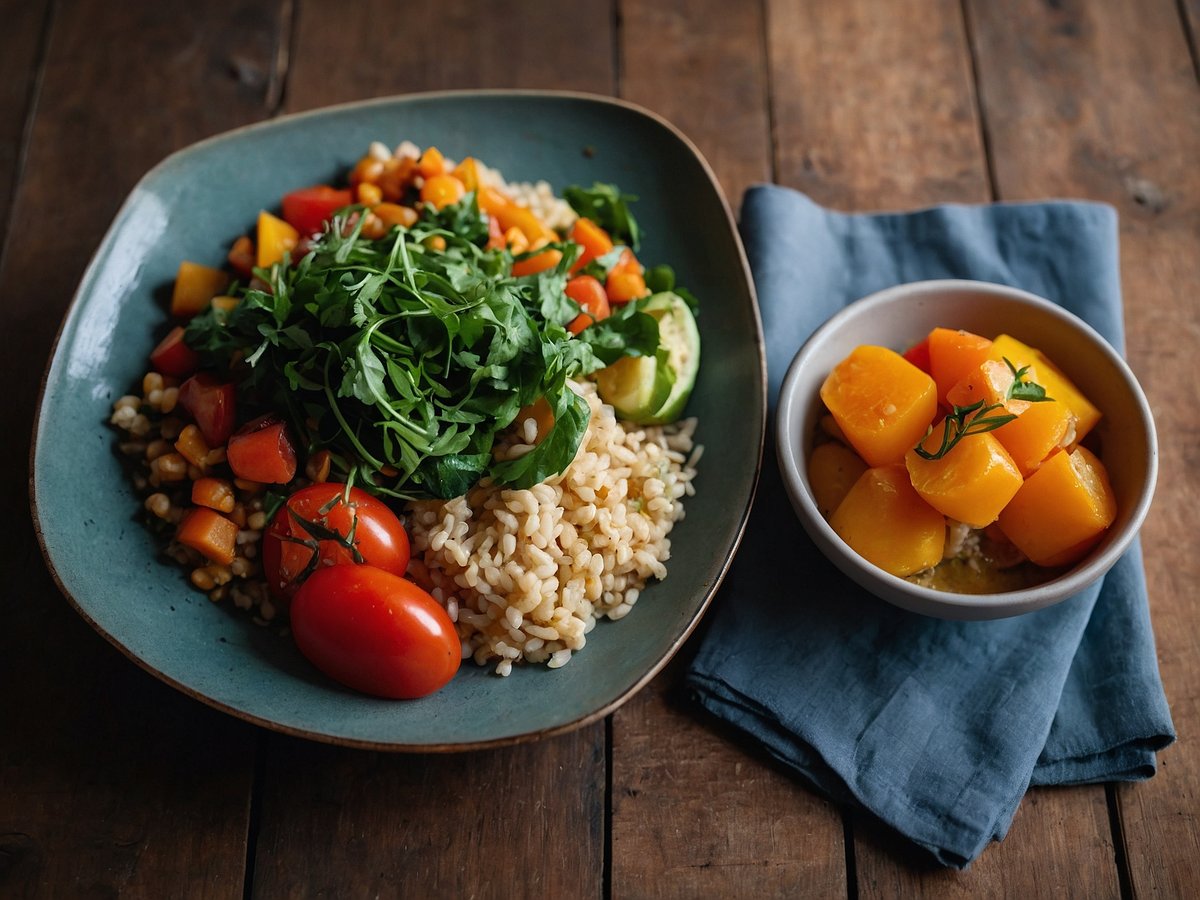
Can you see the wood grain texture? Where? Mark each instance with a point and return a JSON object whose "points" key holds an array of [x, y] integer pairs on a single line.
{"points": [[110, 783], [705, 71], [873, 103], [374, 49], [20, 42], [524, 821], [1104, 104], [695, 813]]}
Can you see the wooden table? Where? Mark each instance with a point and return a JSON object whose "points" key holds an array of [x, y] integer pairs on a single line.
{"points": [[112, 783]]}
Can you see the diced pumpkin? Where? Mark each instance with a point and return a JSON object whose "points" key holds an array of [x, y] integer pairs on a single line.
{"points": [[467, 172], [592, 239], [214, 493], [886, 523], [510, 215], [1062, 510], [832, 470], [990, 383], [276, 238], [539, 262], [971, 483], [192, 446], [195, 285], [442, 191], [431, 162], [953, 355], [881, 402], [1057, 385], [210, 533], [1035, 434], [224, 303]]}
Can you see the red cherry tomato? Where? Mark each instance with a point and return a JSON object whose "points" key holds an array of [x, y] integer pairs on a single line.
{"points": [[211, 404], [375, 632], [309, 208], [588, 293], [379, 537], [263, 451], [918, 355], [174, 357]]}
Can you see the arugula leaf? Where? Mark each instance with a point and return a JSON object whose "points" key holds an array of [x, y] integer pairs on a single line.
{"points": [[605, 205]]}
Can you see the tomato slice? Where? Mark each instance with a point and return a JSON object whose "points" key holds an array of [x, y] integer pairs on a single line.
{"points": [[173, 356], [375, 632], [287, 547], [589, 293], [308, 209], [211, 404], [263, 451]]}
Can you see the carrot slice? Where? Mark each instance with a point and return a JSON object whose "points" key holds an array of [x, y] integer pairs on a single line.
{"points": [[210, 533]]}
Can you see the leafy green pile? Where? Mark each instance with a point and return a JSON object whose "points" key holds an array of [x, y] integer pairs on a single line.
{"points": [[405, 362]]}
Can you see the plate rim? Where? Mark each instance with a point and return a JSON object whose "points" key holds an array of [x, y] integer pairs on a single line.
{"points": [[86, 282]]}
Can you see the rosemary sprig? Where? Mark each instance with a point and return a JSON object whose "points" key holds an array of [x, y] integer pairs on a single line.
{"points": [[978, 419]]}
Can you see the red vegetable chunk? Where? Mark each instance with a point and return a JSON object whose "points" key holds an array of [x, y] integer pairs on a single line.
{"points": [[308, 209], [263, 451], [174, 357], [211, 404]]}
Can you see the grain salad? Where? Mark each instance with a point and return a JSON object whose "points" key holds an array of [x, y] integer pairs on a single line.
{"points": [[432, 410]]}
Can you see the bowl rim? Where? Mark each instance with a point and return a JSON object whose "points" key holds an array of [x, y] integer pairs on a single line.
{"points": [[709, 588], [899, 591]]}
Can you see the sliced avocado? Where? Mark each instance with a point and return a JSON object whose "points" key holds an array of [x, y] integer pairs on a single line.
{"points": [[655, 390]]}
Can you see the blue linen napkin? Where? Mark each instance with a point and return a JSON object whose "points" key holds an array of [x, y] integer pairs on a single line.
{"points": [[935, 727]]}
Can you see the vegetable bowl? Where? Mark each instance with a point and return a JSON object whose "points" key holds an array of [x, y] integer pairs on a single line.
{"points": [[943, 465], [189, 208]]}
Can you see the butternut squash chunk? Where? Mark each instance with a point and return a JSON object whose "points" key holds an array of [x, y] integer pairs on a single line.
{"points": [[971, 483], [1062, 510], [881, 402], [275, 239], [886, 523], [990, 382], [195, 286], [953, 355], [1057, 385], [832, 471], [1035, 434]]}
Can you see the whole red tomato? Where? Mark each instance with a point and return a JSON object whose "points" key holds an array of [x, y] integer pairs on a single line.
{"points": [[375, 632], [353, 528]]}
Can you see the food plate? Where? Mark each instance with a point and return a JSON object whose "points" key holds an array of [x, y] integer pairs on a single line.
{"points": [[191, 206]]}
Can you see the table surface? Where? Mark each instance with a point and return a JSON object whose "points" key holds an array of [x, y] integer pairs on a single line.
{"points": [[113, 783]]}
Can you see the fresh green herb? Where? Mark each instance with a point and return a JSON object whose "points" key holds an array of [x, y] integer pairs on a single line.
{"points": [[406, 363], [978, 419], [605, 205]]}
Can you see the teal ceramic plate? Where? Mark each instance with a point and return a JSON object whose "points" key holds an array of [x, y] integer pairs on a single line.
{"points": [[192, 206]]}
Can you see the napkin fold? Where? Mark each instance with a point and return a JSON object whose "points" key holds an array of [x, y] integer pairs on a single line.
{"points": [[935, 727]]}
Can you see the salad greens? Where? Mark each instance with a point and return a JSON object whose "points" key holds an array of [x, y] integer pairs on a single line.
{"points": [[405, 362], [605, 205]]}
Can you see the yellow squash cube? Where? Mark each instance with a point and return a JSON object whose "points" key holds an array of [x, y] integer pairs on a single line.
{"points": [[886, 523]]}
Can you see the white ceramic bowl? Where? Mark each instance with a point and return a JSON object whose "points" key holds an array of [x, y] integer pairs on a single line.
{"points": [[902, 316]]}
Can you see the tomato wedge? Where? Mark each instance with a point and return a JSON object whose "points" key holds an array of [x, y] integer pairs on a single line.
{"points": [[308, 209], [263, 451], [174, 357], [588, 293], [211, 404]]}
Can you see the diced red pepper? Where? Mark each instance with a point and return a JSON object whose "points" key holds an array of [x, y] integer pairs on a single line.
{"points": [[263, 451], [308, 209], [211, 404], [173, 356], [918, 355], [588, 293]]}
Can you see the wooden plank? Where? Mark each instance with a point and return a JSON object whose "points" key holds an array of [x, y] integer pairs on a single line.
{"points": [[110, 782], [528, 818], [374, 49], [1105, 104], [874, 108], [688, 797], [19, 45], [519, 821]]}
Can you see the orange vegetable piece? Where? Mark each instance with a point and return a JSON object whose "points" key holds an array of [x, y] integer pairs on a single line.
{"points": [[210, 533], [276, 238], [214, 493], [592, 238], [467, 172], [392, 214], [192, 446], [625, 285], [990, 382], [971, 483], [1050, 377], [1062, 510], [881, 402], [510, 216], [539, 262], [832, 470], [491, 201], [887, 523], [953, 355], [241, 256], [195, 285], [442, 191], [589, 294], [1035, 434], [431, 162], [224, 303]]}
